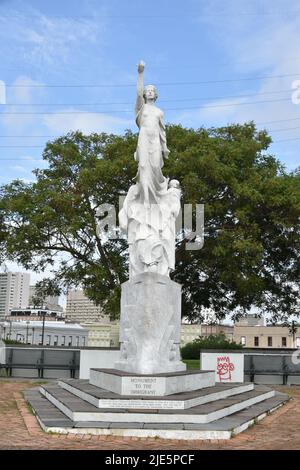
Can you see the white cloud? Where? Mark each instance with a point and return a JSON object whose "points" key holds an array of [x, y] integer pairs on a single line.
{"points": [[46, 41], [87, 123], [21, 92]]}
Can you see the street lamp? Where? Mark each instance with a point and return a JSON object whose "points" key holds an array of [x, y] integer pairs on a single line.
{"points": [[43, 328], [27, 324]]}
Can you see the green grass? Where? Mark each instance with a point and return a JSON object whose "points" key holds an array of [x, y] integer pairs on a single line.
{"points": [[192, 363], [30, 409]]}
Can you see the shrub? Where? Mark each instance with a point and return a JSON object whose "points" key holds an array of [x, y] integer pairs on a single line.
{"points": [[12, 341], [219, 341]]}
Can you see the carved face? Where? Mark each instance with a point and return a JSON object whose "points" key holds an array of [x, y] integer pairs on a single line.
{"points": [[174, 184], [150, 93]]}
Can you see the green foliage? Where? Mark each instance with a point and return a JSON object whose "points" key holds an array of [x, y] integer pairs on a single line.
{"points": [[251, 252], [219, 341], [12, 341]]}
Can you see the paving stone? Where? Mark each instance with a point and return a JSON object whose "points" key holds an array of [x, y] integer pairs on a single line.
{"points": [[126, 425], [93, 424], [173, 426]]}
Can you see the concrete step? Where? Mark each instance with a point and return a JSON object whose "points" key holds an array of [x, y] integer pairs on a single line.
{"points": [[79, 410], [53, 420], [105, 399]]}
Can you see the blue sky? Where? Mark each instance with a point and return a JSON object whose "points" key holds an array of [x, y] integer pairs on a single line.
{"points": [[229, 45], [209, 59]]}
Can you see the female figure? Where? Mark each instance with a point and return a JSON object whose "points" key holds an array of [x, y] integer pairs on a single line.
{"points": [[152, 145]]}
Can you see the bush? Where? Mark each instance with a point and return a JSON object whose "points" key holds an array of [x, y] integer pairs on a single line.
{"points": [[219, 341], [12, 341]]}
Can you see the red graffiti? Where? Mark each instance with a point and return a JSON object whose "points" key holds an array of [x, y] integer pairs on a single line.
{"points": [[224, 368]]}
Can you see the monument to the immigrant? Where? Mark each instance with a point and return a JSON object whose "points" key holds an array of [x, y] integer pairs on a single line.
{"points": [[149, 392], [151, 302]]}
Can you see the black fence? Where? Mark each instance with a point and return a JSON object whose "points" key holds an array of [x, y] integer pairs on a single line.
{"points": [[41, 362], [275, 367]]}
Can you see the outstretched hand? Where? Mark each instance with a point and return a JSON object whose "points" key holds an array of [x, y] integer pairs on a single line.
{"points": [[141, 66]]}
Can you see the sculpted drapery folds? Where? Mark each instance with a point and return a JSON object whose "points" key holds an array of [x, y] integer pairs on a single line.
{"points": [[152, 204]]}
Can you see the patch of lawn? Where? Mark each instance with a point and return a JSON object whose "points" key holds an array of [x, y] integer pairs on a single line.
{"points": [[192, 363]]}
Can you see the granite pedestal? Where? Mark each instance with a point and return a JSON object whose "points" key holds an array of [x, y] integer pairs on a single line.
{"points": [[150, 325], [151, 385]]}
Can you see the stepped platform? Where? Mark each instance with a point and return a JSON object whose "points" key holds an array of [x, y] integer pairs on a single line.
{"points": [[216, 412]]}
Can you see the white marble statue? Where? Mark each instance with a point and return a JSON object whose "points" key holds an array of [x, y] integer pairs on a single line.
{"points": [[152, 144], [150, 301], [152, 204]]}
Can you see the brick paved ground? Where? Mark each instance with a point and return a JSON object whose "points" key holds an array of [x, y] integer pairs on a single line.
{"points": [[20, 430]]}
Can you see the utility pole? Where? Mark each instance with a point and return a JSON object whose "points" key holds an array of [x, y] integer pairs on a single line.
{"points": [[294, 331], [43, 328]]}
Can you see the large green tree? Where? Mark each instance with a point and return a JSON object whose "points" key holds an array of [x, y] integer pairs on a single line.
{"points": [[251, 251]]}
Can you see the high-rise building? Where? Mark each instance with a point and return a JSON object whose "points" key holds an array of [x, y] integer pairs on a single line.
{"points": [[14, 291], [83, 310], [50, 302]]}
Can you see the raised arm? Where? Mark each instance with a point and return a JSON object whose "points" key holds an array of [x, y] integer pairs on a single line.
{"points": [[140, 87]]}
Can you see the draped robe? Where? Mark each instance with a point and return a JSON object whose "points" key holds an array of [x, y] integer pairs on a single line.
{"points": [[149, 153]]}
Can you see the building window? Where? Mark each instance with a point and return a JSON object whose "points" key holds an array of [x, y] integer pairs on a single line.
{"points": [[243, 340], [283, 342], [70, 341], [256, 341], [40, 339], [55, 342], [63, 340], [48, 340], [77, 340], [270, 341]]}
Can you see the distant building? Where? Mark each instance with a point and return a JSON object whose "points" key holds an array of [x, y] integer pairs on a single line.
{"points": [[50, 302], [107, 335], [101, 335], [14, 291], [258, 336], [55, 333], [189, 332], [81, 309], [34, 314]]}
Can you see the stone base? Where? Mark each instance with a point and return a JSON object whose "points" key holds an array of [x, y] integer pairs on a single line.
{"points": [[80, 411], [150, 325], [220, 414], [53, 420], [158, 385]]}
